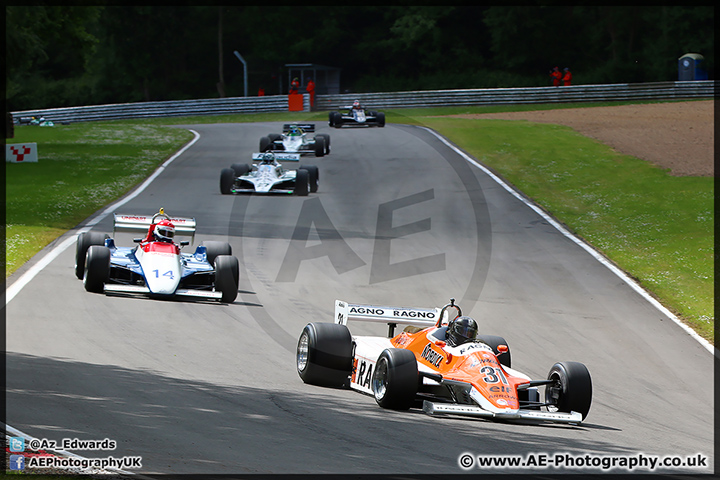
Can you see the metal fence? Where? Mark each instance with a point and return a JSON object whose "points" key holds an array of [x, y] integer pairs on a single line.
{"points": [[413, 99]]}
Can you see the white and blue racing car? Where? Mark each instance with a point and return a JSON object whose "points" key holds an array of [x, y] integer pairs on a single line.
{"points": [[156, 267], [294, 139], [269, 176]]}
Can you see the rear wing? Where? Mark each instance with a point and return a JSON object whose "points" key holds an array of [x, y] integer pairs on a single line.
{"points": [[308, 127], [419, 317], [141, 223], [280, 157]]}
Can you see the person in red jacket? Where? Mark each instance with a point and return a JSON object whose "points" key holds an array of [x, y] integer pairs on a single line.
{"points": [[556, 76], [311, 90], [294, 85], [567, 77]]}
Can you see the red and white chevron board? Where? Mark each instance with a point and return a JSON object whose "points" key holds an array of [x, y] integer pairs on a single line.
{"points": [[21, 152]]}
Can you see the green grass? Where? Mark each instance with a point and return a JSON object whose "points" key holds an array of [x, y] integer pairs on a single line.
{"points": [[656, 227], [82, 168]]}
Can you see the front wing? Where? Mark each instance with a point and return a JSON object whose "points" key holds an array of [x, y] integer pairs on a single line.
{"points": [[433, 408]]}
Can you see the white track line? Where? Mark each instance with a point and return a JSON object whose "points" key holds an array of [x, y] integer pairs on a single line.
{"points": [[25, 278], [597, 255]]}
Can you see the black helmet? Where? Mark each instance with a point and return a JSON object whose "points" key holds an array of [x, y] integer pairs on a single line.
{"points": [[462, 330]]}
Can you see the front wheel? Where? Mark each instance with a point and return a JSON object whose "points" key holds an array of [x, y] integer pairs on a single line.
{"points": [[324, 354], [327, 141], [97, 268], [227, 277], [395, 379], [302, 183], [313, 176], [337, 121], [319, 146], [571, 390], [227, 179], [381, 119]]}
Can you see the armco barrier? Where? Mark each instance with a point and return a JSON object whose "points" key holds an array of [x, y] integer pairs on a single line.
{"points": [[413, 99]]}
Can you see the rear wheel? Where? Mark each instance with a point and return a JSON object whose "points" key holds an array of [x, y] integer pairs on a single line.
{"points": [[302, 183], [227, 179], [240, 169], [214, 248], [265, 144], [571, 390], [227, 277], [324, 354], [395, 379], [97, 268], [84, 241], [493, 341]]}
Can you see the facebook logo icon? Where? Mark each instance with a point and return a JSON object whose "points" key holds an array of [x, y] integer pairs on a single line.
{"points": [[17, 462]]}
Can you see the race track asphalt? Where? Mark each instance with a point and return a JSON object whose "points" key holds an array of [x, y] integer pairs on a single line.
{"points": [[399, 219]]}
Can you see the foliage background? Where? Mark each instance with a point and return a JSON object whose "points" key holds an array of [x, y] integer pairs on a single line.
{"points": [[83, 55]]}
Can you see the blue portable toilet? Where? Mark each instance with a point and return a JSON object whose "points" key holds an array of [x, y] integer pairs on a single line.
{"points": [[689, 67]]}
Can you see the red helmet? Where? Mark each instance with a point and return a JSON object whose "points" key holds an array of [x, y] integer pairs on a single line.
{"points": [[164, 231], [356, 104]]}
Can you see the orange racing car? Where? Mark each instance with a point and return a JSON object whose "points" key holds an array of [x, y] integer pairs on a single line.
{"points": [[439, 363]]}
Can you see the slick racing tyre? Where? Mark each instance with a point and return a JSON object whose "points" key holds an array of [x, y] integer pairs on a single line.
{"points": [[302, 183], [327, 141], [336, 119], [381, 119], [215, 248], [313, 176], [265, 144], [97, 268], [84, 241], [241, 169], [324, 354], [319, 146], [227, 277], [227, 179], [395, 379], [493, 341], [572, 389]]}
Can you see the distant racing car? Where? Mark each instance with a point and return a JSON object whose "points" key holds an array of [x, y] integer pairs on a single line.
{"points": [[294, 139], [269, 176], [156, 267], [437, 363], [356, 115]]}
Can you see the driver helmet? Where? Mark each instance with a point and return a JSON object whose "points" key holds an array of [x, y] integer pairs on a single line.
{"points": [[356, 104], [164, 231], [268, 159], [461, 330], [294, 130]]}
